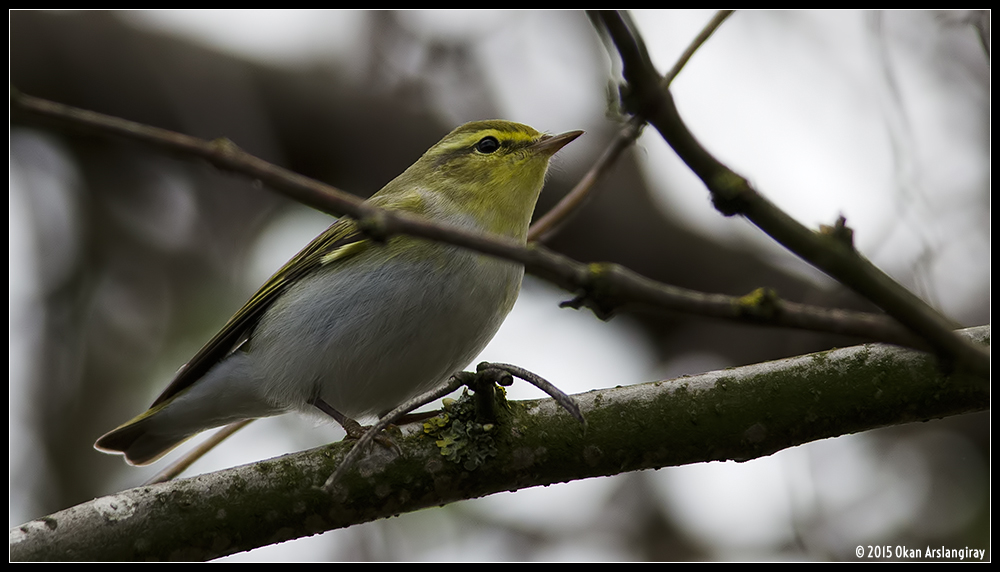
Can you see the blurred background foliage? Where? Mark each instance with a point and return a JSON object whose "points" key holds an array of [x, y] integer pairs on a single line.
{"points": [[124, 261]]}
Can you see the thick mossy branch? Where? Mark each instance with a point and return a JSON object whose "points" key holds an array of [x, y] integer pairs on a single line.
{"points": [[740, 413]]}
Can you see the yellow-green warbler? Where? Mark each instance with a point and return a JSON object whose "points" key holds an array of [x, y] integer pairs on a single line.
{"points": [[353, 327]]}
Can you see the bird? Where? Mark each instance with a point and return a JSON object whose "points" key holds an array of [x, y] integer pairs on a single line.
{"points": [[352, 326]]}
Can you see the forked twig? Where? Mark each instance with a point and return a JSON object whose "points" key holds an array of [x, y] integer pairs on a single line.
{"points": [[565, 401], [454, 382]]}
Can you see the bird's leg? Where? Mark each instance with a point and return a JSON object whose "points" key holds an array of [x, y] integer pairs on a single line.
{"points": [[354, 429]]}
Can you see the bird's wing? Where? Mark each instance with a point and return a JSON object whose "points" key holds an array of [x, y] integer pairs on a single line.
{"points": [[340, 241]]}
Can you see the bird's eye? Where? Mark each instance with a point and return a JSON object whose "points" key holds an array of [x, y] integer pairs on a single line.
{"points": [[487, 144]]}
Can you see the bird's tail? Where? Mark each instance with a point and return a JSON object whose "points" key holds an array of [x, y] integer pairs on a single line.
{"points": [[145, 438], [225, 394]]}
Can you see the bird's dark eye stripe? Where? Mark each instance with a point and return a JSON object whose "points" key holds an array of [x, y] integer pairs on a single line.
{"points": [[488, 144]]}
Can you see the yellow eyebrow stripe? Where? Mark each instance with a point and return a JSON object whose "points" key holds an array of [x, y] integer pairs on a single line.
{"points": [[466, 141]]}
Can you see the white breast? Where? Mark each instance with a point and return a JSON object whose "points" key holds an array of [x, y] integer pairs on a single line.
{"points": [[369, 336]]}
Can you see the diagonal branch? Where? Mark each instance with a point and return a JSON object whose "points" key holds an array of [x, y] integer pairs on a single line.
{"points": [[831, 250]]}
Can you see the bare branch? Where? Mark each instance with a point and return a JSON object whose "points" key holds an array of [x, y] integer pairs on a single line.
{"points": [[832, 252]]}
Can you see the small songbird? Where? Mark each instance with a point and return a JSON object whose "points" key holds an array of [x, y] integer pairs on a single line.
{"points": [[354, 327]]}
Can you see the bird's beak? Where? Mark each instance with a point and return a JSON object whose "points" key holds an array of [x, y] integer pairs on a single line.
{"points": [[549, 144]]}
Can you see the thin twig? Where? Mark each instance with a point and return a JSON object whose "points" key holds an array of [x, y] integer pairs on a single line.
{"points": [[564, 400], [700, 39], [548, 225]]}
